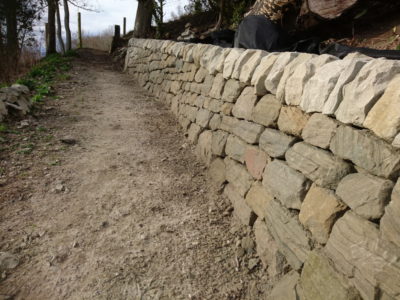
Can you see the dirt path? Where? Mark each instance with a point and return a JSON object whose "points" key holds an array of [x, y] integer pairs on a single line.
{"points": [[123, 214]]}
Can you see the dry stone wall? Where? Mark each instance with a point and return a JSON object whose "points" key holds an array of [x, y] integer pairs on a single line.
{"points": [[306, 149]]}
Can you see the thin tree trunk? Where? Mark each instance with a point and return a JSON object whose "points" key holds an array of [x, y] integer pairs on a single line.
{"points": [[67, 28], [59, 29], [220, 16], [51, 20], [143, 18], [12, 34]]}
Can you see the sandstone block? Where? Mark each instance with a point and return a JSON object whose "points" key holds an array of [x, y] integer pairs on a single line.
{"points": [[226, 108], [248, 131], [228, 123], [257, 199], [274, 76], [219, 139], [244, 105], [216, 173], [292, 120], [206, 86], [261, 73], [194, 132], [247, 70], [275, 143], [319, 211], [215, 121], [230, 62], [217, 87], [286, 287], [366, 151], [390, 222], [236, 148], [267, 110], [365, 194], [200, 75], [241, 62], [319, 130], [203, 148], [240, 208], [203, 117], [255, 160], [208, 55], [232, 90], [237, 175], [285, 183], [217, 63]]}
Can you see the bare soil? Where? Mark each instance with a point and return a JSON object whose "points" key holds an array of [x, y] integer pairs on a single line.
{"points": [[124, 213]]}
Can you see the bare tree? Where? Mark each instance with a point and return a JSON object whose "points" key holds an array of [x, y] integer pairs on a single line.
{"points": [[59, 29], [51, 20], [66, 25], [143, 18]]}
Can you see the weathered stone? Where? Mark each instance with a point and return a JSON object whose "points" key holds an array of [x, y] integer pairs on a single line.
{"points": [[320, 280], [365, 194], [390, 222], [286, 287], [267, 110], [203, 148], [217, 63], [219, 139], [242, 61], [285, 183], [384, 117], [257, 199], [319, 211], [8, 261], [236, 148], [240, 208], [232, 90], [216, 173], [275, 143], [362, 93], [208, 55], [319, 130], [237, 175], [201, 75], [184, 122], [194, 132], [244, 105], [274, 76], [215, 105], [288, 233], [249, 67], [248, 131], [197, 100], [198, 52], [255, 160], [215, 122], [226, 108], [318, 165], [292, 120], [228, 123], [366, 151], [267, 250], [207, 85], [217, 87], [203, 117], [261, 73], [230, 62]]}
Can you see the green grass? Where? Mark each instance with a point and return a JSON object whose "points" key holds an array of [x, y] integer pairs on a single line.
{"points": [[3, 128]]}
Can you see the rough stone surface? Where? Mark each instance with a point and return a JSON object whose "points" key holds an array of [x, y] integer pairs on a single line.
{"points": [[285, 288], [320, 280], [228, 123], [230, 62], [285, 183], [251, 64], [390, 222], [216, 172], [240, 208], [292, 120], [365, 194], [8, 261], [319, 130], [257, 199], [236, 148], [248, 131], [203, 117], [241, 62], [255, 160], [237, 175], [233, 89], [217, 87], [244, 105], [261, 73], [384, 117], [194, 132], [203, 148], [275, 143], [226, 108], [215, 122], [288, 233], [362, 93], [366, 151], [216, 64], [319, 211], [200, 75], [267, 110], [218, 143]]}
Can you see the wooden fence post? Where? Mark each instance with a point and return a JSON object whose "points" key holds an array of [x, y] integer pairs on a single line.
{"points": [[46, 34], [116, 39], [124, 28], [79, 31]]}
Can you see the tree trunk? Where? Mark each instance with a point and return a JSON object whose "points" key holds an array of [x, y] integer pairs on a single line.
{"points": [[51, 20], [143, 18], [12, 33], [330, 9], [59, 29], [220, 15], [66, 25]]}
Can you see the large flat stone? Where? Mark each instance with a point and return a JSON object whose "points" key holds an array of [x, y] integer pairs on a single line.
{"points": [[241, 62], [217, 173], [216, 64], [228, 123], [230, 62], [384, 117], [319, 130], [237, 175], [320, 280], [218, 143], [248, 131], [261, 73], [275, 142], [244, 105], [203, 148], [266, 111], [236, 148], [390, 222], [319, 211], [257, 199], [276, 72], [286, 287], [194, 132], [215, 122], [203, 117], [366, 151], [217, 87], [247, 70], [233, 89], [288, 233], [240, 209], [365, 194], [285, 183], [318, 165], [255, 160], [361, 94], [200, 75], [292, 120]]}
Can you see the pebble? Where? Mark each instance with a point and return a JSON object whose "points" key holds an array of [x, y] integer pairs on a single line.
{"points": [[8, 261]]}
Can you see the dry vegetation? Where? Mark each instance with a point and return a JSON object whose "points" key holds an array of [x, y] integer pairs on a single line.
{"points": [[99, 41]]}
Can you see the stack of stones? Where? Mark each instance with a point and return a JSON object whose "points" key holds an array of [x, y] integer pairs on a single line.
{"points": [[16, 98], [306, 149]]}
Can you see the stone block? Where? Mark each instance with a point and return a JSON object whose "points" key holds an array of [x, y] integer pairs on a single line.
{"points": [[219, 139], [361, 94], [292, 120], [275, 143], [194, 132], [203, 117], [230, 62], [257, 199], [216, 173], [319, 130], [217, 63], [236, 148], [237, 175], [365, 194], [384, 117], [215, 121], [255, 160], [244, 105], [366, 151], [320, 280], [242, 62], [266, 111], [248, 131], [276, 72], [203, 148], [200, 75], [215, 105], [226, 108], [245, 215], [233, 89], [390, 222], [318, 165], [206, 86], [288, 233], [247, 70], [285, 183], [228, 123], [319, 211], [217, 87], [261, 73], [208, 55], [286, 287]]}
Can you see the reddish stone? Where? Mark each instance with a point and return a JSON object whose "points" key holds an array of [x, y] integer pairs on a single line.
{"points": [[255, 160]]}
